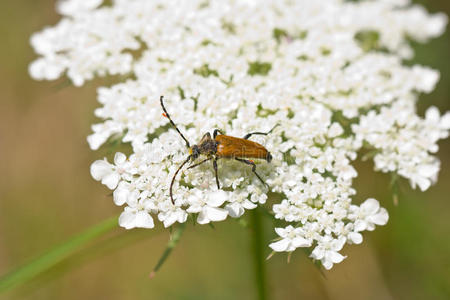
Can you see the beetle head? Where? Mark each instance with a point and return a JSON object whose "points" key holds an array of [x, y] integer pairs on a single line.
{"points": [[194, 152]]}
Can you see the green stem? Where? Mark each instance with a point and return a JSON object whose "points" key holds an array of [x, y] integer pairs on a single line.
{"points": [[24, 273], [258, 253], [174, 239]]}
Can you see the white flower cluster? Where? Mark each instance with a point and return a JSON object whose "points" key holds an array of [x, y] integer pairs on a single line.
{"points": [[330, 73], [403, 141]]}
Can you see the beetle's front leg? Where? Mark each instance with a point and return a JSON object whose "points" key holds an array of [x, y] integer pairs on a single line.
{"points": [[216, 131], [198, 164]]}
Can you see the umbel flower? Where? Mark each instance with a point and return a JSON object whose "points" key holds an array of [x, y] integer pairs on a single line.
{"points": [[331, 73]]}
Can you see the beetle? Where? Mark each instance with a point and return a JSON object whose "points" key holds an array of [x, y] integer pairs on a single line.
{"points": [[221, 146]]}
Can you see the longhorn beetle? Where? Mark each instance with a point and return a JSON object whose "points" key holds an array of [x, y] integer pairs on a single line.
{"points": [[221, 146]]}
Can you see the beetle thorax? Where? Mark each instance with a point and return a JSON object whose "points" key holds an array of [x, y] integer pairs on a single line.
{"points": [[207, 145]]}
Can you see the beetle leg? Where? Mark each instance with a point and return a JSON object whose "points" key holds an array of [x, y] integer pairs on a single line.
{"points": [[216, 131], [198, 164], [262, 133], [249, 162], [215, 170]]}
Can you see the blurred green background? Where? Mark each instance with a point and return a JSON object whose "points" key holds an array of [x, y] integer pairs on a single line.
{"points": [[47, 195]]}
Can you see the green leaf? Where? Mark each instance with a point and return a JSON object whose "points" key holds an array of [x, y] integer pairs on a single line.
{"points": [[205, 71], [368, 40], [259, 68], [279, 34]]}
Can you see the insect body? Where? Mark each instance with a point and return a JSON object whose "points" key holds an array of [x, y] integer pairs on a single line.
{"points": [[221, 146]]}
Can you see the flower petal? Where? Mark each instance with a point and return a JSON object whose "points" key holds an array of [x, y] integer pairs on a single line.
{"points": [[282, 231], [203, 218], [280, 246], [100, 169], [120, 195], [144, 220], [235, 210], [249, 205], [182, 216], [327, 264], [215, 214], [360, 225], [334, 256], [300, 242], [318, 253], [355, 237], [111, 180], [370, 206], [119, 158], [217, 198], [127, 219], [381, 218]]}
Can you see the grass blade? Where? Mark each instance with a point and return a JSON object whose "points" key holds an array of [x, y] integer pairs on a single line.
{"points": [[28, 271]]}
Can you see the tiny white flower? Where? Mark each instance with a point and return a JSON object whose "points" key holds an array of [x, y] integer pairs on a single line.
{"points": [[237, 209], [121, 193], [133, 217], [71, 7], [368, 215], [327, 251], [291, 239], [208, 208], [104, 171], [335, 130], [348, 231], [175, 214], [109, 174]]}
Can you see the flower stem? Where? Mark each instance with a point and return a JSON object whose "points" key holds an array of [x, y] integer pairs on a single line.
{"points": [[257, 250], [174, 238], [27, 272]]}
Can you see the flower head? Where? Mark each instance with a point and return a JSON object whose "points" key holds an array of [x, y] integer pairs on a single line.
{"points": [[313, 67]]}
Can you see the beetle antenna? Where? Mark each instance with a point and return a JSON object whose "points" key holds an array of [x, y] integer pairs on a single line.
{"points": [[175, 175], [166, 114]]}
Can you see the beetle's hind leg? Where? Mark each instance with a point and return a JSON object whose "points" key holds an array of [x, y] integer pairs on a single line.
{"points": [[249, 162], [261, 133]]}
